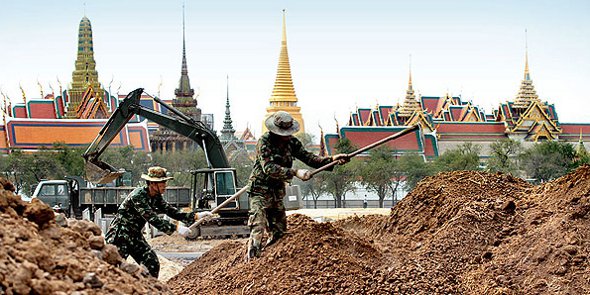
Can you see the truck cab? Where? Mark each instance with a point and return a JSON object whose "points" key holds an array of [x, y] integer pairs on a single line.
{"points": [[54, 193]]}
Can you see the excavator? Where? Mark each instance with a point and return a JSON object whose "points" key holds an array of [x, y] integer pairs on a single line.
{"points": [[218, 179]]}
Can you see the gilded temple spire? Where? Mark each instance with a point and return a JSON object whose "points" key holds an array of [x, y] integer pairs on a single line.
{"points": [[527, 75], [283, 96], [526, 94], [410, 104], [581, 149]]}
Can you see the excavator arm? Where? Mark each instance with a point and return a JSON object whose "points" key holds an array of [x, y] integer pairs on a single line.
{"points": [[100, 172]]}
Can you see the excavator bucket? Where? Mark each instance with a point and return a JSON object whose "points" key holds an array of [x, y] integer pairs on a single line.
{"points": [[100, 172]]}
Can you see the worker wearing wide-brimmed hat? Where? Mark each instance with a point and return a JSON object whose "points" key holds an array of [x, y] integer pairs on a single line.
{"points": [[143, 205], [275, 152]]}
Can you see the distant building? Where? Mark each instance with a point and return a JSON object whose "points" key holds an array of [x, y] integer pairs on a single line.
{"points": [[163, 139], [448, 121]]}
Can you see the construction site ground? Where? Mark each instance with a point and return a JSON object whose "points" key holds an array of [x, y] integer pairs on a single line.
{"points": [[455, 233]]}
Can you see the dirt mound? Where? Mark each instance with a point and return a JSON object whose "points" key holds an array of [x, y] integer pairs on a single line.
{"points": [[39, 257], [448, 225], [550, 253], [455, 233], [313, 258]]}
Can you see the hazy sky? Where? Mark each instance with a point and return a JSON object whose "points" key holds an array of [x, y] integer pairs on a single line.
{"points": [[343, 54]]}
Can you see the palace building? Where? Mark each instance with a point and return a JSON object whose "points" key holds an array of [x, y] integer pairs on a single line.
{"points": [[448, 121]]}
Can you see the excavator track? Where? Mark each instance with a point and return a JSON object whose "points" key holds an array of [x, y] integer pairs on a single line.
{"points": [[222, 228]]}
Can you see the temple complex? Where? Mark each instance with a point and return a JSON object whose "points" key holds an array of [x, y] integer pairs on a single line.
{"points": [[73, 116], [448, 121], [283, 96]]}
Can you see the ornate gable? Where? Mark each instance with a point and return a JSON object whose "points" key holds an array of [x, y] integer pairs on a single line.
{"points": [[420, 118], [470, 114], [536, 123], [444, 104], [92, 106]]}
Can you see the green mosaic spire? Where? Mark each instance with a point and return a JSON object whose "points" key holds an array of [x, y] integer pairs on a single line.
{"points": [[85, 73]]}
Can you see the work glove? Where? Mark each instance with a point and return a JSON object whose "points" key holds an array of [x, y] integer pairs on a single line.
{"points": [[203, 215], [341, 159], [303, 174], [183, 230]]}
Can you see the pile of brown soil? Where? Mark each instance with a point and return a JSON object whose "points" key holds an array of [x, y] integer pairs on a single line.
{"points": [[313, 258], [455, 233], [39, 257], [548, 254]]}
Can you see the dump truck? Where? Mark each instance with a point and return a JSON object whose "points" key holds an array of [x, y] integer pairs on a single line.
{"points": [[73, 195], [211, 185]]}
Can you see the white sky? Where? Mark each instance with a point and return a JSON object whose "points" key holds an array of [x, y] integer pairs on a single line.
{"points": [[343, 54]]}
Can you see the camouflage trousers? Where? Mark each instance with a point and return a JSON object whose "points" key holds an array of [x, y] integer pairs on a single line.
{"points": [[267, 215], [136, 246]]}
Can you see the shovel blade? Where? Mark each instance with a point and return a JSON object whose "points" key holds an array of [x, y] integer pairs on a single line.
{"points": [[99, 172]]}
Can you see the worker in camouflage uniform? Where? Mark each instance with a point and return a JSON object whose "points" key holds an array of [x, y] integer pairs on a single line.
{"points": [[274, 158], [143, 205]]}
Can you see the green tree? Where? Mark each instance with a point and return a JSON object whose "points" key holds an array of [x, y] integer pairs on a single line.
{"points": [[548, 160], [381, 173], [316, 186], [504, 156], [14, 168], [135, 162], [180, 163], [313, 188], [464, 157], [341, 179], [243, 164], [415, 169], [25, 170], [69, 158]]}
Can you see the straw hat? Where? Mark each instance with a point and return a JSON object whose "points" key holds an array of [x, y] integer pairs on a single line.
{"points": [[281, 123], [156, 174]]}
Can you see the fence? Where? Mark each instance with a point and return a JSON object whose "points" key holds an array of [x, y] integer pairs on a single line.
{"points": [[309, 204]]}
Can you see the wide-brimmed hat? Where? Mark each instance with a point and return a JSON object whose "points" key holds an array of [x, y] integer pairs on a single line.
{"points": [[156, 174], [281, 123]]}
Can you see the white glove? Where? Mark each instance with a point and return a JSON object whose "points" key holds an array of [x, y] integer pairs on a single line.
{"points": [[205, 214], [183, 230], [303, 174]]}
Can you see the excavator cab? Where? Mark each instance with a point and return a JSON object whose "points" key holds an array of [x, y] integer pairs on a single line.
{"points": [[212, 186]]}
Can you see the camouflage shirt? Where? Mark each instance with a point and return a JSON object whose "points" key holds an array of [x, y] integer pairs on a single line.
{"points": [[274, 159], [139, 208]]}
